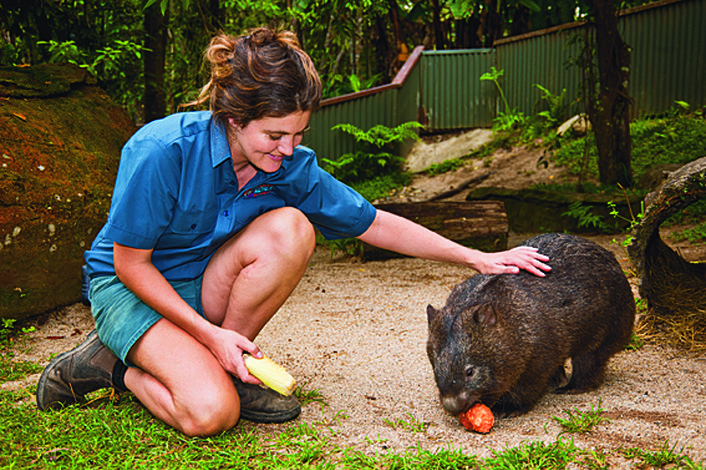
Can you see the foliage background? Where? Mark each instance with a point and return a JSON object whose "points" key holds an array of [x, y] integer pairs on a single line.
{"points": [[355, 44]]}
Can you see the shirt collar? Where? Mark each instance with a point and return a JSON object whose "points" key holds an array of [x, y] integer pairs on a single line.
{"points": [[220, 150]]}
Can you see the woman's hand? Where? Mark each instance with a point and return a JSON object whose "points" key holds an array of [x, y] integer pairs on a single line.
{"points": [[511, 261], [228, 346], [135, 269]]}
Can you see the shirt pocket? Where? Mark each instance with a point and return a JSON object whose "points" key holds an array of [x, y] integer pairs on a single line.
{"points": [[190, 229]]}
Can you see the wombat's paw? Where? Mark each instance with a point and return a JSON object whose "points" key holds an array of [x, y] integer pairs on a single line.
{"points": [[503, 412], [572, 390], [508, 414], [562, 376]]}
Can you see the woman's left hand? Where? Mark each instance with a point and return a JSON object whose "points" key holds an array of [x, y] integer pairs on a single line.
{"points": [[511, 261]]}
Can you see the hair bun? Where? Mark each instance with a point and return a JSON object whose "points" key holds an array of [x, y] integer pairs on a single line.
{"points": [[262, 73], [261, 36]]}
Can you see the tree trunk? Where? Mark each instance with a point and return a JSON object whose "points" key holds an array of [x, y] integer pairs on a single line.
{"points": [[609, 112], [439, 38], [218, 16], [520, 21], [491, 23], [467, 33], [381, 51], [394, 17], [154, 101]]}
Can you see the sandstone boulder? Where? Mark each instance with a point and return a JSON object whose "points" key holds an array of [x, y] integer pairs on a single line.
{"points": [[60, 141]]}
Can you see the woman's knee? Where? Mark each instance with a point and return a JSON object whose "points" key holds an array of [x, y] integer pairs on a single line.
{"points": [[181, 382], [291, 227], [215, 410], [284, 233]]}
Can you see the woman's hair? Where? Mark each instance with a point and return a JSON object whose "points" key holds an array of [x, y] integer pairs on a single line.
{"points": [[262, 74]]}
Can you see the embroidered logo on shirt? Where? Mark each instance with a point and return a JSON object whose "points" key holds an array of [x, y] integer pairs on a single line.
{"points": [[261, 190]]}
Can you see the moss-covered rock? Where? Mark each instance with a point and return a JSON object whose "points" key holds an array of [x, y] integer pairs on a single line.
{"points": [[60, 141]]}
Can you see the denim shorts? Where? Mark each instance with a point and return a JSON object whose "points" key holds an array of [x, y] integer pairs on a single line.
{"points": [[122, 318]]}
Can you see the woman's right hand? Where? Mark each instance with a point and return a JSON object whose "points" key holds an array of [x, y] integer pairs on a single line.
{"points": [[228, 346], [135, 269]]}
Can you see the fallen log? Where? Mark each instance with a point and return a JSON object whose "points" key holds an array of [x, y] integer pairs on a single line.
{"points": [[482, 225]]}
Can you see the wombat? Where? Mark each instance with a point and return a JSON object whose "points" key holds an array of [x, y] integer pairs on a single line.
{"points": [[502, 340]]}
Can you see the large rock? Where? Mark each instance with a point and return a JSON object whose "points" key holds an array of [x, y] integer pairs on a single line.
{"points": [[60, 141]]}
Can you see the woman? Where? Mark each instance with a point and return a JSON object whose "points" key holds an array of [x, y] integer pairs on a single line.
{"points": [[211, 227]]}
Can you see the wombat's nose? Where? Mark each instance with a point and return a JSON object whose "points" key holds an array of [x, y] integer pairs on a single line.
{"points": [[451, 405], [456, 404]]}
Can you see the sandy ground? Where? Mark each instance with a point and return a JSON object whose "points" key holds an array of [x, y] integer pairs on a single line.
{"points": [[356, 332]]}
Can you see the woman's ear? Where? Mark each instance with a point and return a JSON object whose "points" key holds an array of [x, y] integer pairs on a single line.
{"points": [[232, 122]]}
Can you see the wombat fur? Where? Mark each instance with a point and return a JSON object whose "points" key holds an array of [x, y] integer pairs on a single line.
{"points": [[503, 339]]}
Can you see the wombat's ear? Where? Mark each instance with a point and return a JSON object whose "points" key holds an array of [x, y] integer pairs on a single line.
{"points": [[485, 315], [432, 313]]}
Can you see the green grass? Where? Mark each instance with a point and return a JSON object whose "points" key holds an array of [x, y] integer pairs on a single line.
{"points": [[677, 138], [535, 455], [411, 423], [445, 166], [117, 432], [694, 214], [665, 457], [382, 185], [10, 368], [581, 421], [120, 433]]}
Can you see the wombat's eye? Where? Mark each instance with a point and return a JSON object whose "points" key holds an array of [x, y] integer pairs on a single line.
{"points": [[470, 372]]}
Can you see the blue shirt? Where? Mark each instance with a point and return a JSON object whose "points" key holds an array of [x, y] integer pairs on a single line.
{"points": [[177, 193]]}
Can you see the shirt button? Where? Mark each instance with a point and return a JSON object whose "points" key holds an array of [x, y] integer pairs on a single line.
{"points": [[225, 213]]}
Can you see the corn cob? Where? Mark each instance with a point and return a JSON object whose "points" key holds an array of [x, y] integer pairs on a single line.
{"points": [[270, 373]]}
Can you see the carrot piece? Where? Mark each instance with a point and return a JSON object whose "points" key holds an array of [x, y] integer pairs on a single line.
{"points": [[478, 418]]}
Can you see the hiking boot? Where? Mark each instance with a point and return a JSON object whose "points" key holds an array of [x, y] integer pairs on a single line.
{"points": [[72, 374], [263, 405]]}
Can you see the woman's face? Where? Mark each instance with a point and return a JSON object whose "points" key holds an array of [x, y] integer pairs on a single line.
{"points": [[263, 143]]}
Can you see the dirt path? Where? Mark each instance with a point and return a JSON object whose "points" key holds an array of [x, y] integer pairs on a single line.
{"points": [[357, 332]]}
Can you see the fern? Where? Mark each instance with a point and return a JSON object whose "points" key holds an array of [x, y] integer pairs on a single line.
{"points": [[585, 217], [380, 135], [376, 153], [556, 105]]}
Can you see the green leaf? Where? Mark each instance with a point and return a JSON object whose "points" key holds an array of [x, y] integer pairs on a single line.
{"points": [[531, 5]]}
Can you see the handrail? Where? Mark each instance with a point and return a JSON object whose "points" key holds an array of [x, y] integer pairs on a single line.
{"points": [[397, 82]]}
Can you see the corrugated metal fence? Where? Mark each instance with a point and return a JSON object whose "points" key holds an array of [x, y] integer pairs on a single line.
{"points": [[443, 90], [668, 41], [452, 95]]}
